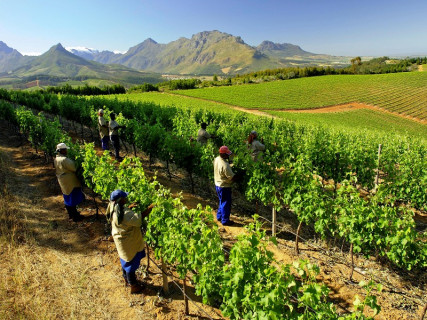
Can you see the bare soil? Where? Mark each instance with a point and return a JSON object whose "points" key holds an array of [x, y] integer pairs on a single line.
{"points": [[74, 272]]}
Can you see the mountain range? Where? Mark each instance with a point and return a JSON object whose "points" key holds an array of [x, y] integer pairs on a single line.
{"points": [[209, 52], [205, 53]]}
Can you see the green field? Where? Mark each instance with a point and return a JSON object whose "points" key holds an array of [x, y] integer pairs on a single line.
{"points": [[405, 93], [358, 120], [166, 99]]}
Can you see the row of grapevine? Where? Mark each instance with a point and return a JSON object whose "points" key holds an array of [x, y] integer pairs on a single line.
{"points": [[394, 92], [248, 286], [295, 156]]}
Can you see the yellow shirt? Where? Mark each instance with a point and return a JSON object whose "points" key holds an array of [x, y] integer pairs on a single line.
{"points": [[103, 131], [222, 173], [66, 174], [127, 235]]}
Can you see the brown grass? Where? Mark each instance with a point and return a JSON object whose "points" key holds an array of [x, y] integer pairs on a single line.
{"points": [[38, 282]]}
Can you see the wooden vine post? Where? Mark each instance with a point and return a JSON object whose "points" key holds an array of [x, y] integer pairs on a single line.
{"points": [[187, 311], [297, 237], [165, 278], [147, 248], [377, 177], [423, 313], [274, 222], [352, 262]]}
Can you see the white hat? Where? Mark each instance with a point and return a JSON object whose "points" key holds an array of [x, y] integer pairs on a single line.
{"points": [[101, 111], [62, 146]]}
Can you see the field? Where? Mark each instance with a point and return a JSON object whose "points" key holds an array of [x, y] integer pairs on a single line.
{"points": [[358, 120], [171, 99], [370, 120], [305, 151], [404, 93]]}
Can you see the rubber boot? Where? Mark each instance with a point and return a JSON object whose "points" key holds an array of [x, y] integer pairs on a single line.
{"points": [[135, 288]]}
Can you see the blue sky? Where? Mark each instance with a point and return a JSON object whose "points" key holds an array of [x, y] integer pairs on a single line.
{"points": [[352, 28]]}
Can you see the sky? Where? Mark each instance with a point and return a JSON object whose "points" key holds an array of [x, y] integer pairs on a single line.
{"points": [[348, 28]]}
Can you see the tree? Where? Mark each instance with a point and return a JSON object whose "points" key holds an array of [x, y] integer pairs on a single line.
{"points": [[355, 62]]}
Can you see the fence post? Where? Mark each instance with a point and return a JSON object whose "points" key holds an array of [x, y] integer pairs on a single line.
{"points": [[165, 278], [274, 220], [187, 311], [378, 165]]}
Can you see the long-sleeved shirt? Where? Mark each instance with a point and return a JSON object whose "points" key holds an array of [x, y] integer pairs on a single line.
{"points": [[223, 174], [103, 127], [203, 136], [127, 235], [257, 148], [66, 174], [114, 128]]}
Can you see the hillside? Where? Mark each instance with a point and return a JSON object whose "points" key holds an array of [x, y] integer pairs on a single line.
{"points": [[58, 64], [205, 53], [403, 93], [210, 52], [10, 58]]}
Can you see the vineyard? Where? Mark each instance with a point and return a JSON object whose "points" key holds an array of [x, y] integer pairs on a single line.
{"points": [[358, 120], [316, 173], [403, 93]]}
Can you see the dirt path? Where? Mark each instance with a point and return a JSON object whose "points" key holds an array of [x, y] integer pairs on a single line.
{"points": [[78, 274]]}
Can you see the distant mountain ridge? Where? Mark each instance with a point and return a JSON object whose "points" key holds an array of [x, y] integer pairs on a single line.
{"points": [[205, 53], [11, 58], [59, 63], [210, 52]]}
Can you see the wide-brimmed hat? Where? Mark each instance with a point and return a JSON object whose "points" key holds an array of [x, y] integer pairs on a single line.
{"points": [[61, 146], [117, 194], [224, 149]]}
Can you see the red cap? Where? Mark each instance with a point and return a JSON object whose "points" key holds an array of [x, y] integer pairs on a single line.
{"points": [[224, 149]]}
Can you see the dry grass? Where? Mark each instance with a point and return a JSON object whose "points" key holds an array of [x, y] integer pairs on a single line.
{"points": [[38, 281]]}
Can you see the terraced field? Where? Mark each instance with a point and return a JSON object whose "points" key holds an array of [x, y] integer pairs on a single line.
{"points": [[403, 93]]}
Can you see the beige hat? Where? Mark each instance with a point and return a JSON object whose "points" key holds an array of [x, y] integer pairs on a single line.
{"points": [[62, 146], [101, 111]]}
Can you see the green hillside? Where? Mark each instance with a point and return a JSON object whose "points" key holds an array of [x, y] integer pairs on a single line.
{"points": [[405, 93], [358, 120], [58, 65]]}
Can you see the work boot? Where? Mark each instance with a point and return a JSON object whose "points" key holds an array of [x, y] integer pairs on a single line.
{"points": [[78, 217], [135, 288]]}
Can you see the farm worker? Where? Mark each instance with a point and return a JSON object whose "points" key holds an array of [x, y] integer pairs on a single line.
{"points": [[68, 181], [114, 135], [126, 231], [202, 134], [103, 130], [255, 146], [224, 177]]}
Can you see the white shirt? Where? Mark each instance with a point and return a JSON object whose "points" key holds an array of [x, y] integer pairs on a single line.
{"points": [[113, 128]]}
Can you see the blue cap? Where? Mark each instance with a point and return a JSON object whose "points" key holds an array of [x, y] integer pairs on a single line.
{"points": [[116, 194]]}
